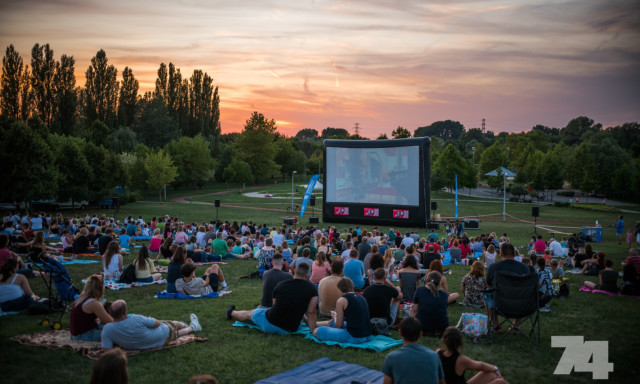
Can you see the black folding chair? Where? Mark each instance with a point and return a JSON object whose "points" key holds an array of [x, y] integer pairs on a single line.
{"points": [[515, 297]]}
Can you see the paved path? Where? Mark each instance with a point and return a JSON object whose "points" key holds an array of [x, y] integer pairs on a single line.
{"points": [[184, 200]]}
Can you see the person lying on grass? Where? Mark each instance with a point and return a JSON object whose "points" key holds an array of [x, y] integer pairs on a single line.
{"points": [[191, 285], [292, 299], [350, 321], [138, 332], [455, 364]]}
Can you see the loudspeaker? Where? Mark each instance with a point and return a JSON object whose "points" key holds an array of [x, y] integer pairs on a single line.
{"points": [[433, 225], [312, 201], [434, 205], [217, 203], [472, 223], [535, 211], [314, 220]]}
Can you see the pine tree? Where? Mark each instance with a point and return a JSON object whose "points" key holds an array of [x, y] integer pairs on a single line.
{"points": [[128, 98], [12, 69], [101, 91], [43, 69], [66, 98]]}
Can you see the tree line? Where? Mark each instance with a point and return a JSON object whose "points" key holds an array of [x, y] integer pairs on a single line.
{"points": [[66, 141]]}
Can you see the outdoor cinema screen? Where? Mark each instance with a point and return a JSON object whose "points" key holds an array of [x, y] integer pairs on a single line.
{"points": [[377, 181], [373, 175]]}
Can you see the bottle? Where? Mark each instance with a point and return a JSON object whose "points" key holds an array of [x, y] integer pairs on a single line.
{"points": [[556, 285]]}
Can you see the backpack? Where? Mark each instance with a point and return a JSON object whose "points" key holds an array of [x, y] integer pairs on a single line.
{"points": [[128, 275], [379, 326], [564, 290]]}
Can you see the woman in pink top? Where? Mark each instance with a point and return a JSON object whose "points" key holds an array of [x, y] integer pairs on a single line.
{"points": [[320, 268], [156, 241]]}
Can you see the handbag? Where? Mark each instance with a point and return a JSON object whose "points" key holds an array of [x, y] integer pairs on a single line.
{"points": [[474, 325]]}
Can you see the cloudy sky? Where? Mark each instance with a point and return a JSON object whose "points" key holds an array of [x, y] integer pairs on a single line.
{"points": [[380, 63]]}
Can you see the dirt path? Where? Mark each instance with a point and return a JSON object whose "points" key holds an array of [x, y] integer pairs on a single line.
{"points": [[184, 200]]}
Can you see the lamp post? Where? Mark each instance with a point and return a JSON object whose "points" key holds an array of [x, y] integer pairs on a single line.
{"points": [[292, 173], [504, 197]]}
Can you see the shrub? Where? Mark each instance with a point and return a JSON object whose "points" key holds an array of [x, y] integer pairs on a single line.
{"points": [[566, 193]]}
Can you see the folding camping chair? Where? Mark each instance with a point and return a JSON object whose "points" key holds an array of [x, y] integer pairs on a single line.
{"points": [[516, 297]]}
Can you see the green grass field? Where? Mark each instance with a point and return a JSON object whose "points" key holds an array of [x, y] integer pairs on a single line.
{"points": [[240, 355]]}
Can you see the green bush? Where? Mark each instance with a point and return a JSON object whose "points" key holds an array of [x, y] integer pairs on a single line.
{"points": [[566, 193]]}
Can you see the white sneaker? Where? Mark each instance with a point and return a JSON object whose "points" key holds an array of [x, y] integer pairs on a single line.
{"points": [[225, 286], [546, 308], [195, 324]]}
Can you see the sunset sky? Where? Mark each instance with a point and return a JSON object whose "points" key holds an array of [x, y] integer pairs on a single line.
{"points": [[314, 64]]}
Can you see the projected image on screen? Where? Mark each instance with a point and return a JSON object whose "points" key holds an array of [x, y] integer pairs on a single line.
{"points": [[373, 175]]}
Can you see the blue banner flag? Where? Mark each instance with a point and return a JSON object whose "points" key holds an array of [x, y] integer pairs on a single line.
{"points": [[456, 196], [307, 193]]}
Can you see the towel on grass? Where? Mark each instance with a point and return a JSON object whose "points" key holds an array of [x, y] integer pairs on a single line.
{"points": [[140, 238], [377, 343], [114, 285], [574, 271], [178, 295], [325, 371], [302, 329], [584, 288], [61, 339], [76, 261]]}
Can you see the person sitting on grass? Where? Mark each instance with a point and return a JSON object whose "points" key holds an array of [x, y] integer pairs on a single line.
{"points": [[111, 368], [350, 321], [221, 249], [195, 286], [320, 268], [436, 265], [454, 364], [112, 261], [383, 298], [328, 291], [271, 278], [413, 363], [545, 291], [430, 305], [241, 251], [82, 244], [557, 270], [409, 278], [608, 279], [174, 269], [15, 292], [166, 249], [87, 309], [593, 266], [145, 270], [303, 258], [138, 332], [156, 241], [473, 285], [292, 299]]}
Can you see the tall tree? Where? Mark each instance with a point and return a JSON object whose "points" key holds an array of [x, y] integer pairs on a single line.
{"points": [[493, 157], [307, 133], [576, 128], [101, 91], [400, 133], [66, 96], [43, 70], [159, 166], [193, 159], [75, 171], [28, 163], [12, 74], [330, 132], [173, 91], [128, 98], [237, 172], [123, 139], [449, 163], [161, 83], [154, 127], [256, 147], [446, 130]]}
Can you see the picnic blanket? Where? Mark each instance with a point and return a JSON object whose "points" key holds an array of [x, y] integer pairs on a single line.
{"points": [[76, 261], [114, 285], [166, 262], [302, 329], [377, 343], [574, 271], [584, 288], [325, 371], [180, 296], [61, 339], [82, 254], [140, 238]]}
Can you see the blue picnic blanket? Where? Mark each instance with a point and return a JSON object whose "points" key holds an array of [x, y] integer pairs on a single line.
{"points": [[76, 262], [377, 343], [325, 371], [180, 296], [302, 329]]}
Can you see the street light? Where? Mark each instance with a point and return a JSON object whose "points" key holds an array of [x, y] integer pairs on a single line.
{"points": [[292, 173]]}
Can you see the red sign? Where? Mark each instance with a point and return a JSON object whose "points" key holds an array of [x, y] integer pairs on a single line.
{"points": [[372, 212], [341, 211], [400, 214]]}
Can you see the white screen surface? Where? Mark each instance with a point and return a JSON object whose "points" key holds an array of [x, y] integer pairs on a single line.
{"points": [[373, 175]]}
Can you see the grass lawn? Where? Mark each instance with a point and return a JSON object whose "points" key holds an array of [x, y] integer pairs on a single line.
{"points": [[240, 355]]}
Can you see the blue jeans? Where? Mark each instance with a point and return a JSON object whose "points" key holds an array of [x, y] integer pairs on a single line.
{"points": [[393, 312], [340, 335], [92, 335], [211, 257], [16, 305]]}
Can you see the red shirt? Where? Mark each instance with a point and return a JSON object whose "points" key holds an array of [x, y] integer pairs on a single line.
{"points": [[635, 261], [5, 254], [540, 246]]}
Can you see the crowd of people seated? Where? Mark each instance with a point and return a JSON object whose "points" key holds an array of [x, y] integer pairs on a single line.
{"points": [[346, 285]]}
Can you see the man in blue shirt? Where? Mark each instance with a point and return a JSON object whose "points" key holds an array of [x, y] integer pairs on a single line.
{"points": [[413, 363], [140, 332], [619, 229], [354, 269]]}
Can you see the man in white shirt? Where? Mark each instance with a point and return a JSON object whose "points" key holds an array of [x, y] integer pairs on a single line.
{"points": [[278, 238], [556, 248], [407, 240]]}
